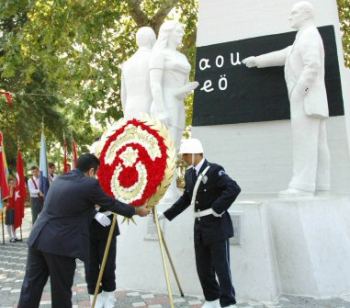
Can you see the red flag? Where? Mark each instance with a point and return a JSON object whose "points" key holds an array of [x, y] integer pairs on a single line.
{"points": [[65, 160], [75, 154], [20, 191], [8, 97], [5, 190]]}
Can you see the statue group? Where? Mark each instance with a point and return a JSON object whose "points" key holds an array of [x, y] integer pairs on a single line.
{"points": [[155, 80]]}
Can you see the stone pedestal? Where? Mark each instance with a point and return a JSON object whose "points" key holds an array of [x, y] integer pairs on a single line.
{"points": [[282, 246], [311, 243]]}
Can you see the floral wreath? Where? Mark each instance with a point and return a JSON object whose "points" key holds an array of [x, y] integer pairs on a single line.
{"points": [[137, 161]]}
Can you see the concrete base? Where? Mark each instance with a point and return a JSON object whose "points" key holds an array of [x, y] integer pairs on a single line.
{"points": [[311, 242], [296, 247]]}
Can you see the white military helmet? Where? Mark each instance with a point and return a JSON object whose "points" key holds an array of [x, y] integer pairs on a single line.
{"points": [[191, 146]]}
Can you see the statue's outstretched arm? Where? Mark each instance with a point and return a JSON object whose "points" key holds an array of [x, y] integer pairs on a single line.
{"points": [[274, 58]]}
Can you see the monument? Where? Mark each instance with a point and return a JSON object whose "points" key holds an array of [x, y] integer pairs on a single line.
{"points": [[297, 245]]}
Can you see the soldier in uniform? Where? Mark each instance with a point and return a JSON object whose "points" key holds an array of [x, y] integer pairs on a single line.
{"points": [[211, 192]]}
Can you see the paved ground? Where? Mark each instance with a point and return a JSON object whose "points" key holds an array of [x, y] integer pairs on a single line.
{"points": [[12, 265]]}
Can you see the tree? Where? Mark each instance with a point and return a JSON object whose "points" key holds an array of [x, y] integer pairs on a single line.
{"points": [[344, 15], [62, 58]]}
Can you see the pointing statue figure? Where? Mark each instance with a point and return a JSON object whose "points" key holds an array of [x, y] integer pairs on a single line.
{"points": [[169, 74], [136, 96], [304, 74]]}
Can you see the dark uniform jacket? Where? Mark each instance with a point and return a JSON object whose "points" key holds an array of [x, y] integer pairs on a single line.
{"points": [[62, 228], [217, 191], [99, 232]]}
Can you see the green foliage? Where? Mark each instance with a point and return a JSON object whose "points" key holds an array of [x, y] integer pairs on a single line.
{"points": [[344, 15], [62, 58]]}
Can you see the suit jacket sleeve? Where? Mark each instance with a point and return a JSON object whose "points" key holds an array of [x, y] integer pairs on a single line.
{"points": [[107, 203], [180, 205], [275, 58], [229, 192]]}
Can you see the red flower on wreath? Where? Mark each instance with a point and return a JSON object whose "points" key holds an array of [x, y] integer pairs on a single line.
{"points": [[133, 161]]}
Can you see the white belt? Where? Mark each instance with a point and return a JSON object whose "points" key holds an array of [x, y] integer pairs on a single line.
{"points": [[203, 213]]}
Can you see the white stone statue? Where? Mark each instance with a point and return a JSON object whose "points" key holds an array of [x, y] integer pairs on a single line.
{"points": [[136, 96], [169, 75], [304, 73]]}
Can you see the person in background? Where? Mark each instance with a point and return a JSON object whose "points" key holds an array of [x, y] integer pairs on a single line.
{"points": [[36, 196], [52, 174], [10, 212]]}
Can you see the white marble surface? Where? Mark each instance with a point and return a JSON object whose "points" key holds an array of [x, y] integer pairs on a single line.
{"points": [[257, 155], [287, 246]]}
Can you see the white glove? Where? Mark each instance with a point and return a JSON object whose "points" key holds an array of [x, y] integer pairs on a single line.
{"points": [[102, 219], [161, 216]]}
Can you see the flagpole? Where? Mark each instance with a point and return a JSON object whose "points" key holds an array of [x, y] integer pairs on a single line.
{"points": [[2, 221], [162, 251], [20, 227], [18, 179], [2, 227]]}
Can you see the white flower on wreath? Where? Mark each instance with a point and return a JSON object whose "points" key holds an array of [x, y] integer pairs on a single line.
{"points": [[129, 156], [134, 192]]}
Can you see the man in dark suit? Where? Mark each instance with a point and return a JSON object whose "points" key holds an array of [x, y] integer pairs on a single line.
{"points": [[211, 192], [61, 233]]}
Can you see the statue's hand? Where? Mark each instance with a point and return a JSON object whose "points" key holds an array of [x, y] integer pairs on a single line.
{"points": [[250, 62], [164, 118], [193, 85], [186, 89]]}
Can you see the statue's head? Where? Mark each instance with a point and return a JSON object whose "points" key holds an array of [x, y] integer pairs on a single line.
{"points": [[145, 37], [170, 33], [301, 13]]}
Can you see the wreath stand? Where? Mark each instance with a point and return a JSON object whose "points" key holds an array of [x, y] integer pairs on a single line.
{"points": [[164, 252], [107, 146]]}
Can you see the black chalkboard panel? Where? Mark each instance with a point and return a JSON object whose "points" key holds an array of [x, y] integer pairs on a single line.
{"points": [[230, 93]]}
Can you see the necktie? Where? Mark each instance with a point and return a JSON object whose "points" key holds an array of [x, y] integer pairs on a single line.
{"points": [[194, 175]]}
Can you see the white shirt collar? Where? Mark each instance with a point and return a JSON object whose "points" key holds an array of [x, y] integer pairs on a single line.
{"points": [[199, 166]]}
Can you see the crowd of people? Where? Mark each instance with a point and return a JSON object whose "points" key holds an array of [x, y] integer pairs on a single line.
{"points": [[36, 198]]}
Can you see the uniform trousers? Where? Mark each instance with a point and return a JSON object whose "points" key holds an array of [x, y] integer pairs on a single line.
{"points": [[214, 259], [98, 242], [40, 266], [37, 206]]}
